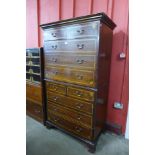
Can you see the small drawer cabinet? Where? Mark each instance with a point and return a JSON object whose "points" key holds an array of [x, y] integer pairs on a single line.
{"points": [[34, 107], [77, 56]]}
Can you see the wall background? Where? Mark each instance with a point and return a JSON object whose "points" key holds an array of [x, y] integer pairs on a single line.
{"points": [[45, 11]]}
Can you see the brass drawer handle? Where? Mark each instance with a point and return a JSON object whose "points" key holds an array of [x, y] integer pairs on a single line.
{"points": [[55, 72], [79, 106], [54, 59], [79, 61], [56, 119], [53, 34], [80, 46], [55, 98], [79, 118], [80, 31], [37, 111], [78, 129], [54, 46], [78, 93], [80, 77]]}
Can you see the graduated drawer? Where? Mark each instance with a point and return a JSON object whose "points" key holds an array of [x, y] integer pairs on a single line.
{"points": [[81, 77], [85, 107], [34, 110], [72, 31], [74, 60], [33, 93], [82, 94], [70, 126], [70, 115], [82, 45], [56, 88]]}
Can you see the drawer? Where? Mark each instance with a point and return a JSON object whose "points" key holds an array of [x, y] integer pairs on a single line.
{"points": [[81, 77], [81, 46], [81, 94], [72, 31], [70, 115], [33, 92], [54, 34], [34, 110], [66, 101], [83, 30], [56, 87], [74, 60], [70, 127]]}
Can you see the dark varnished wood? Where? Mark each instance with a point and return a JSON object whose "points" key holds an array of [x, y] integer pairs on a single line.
{"points": [[71, 115], [75, 76], [77, 64], [69, 126], [82, 61], [34, 110], [74, 31], [70, 102]]}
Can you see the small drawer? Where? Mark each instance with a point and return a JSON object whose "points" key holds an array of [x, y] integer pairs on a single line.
{"points": [[34, 110], [70, 127], [84, 30], [33, 92], [81, 94], [71, 115], [80, 46], [54, 34], [66, 101], [74, 60], [56, 88], [81, 77]]}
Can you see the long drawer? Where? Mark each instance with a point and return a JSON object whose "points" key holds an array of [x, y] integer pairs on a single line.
{"points": [[74, 60], [70, 32], [70, 115], [80, 46], [34, 110], [33, 92], [85, 107], [82, 77], [69, 126]]}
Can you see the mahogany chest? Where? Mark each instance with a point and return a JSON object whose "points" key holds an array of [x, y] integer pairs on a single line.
{"points": [[77, 56], [34, 98]]}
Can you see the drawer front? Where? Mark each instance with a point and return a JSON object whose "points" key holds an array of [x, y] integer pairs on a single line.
{"points": [[34, 110], [73, 31], [66, 101], [54, 34], [84, 30], [81, 77], [81, 94], [70, 115], [74, 60], [56, 88], [69, 126], [80, 46], [33, 92]]}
